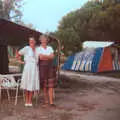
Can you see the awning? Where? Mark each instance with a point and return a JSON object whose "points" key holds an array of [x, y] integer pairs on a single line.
{"points": [[16, 34]]}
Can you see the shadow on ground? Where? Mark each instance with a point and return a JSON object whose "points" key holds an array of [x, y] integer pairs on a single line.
{"points": [[75, 100]]}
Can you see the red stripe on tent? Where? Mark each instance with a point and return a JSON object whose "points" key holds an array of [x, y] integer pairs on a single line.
{"points": [[106, 61]]}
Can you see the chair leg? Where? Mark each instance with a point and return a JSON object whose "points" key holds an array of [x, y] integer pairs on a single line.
{"points": [[16, 97], [8, 94]]}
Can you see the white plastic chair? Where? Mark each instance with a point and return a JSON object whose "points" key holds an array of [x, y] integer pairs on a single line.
{"points": [[7, 82]]}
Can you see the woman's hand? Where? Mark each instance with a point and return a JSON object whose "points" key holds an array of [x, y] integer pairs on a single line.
{"points": [[21, 62], [51, 56], [17, 54]]}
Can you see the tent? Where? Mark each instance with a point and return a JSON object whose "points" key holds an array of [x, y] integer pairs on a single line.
{"points": [[95, 60]]}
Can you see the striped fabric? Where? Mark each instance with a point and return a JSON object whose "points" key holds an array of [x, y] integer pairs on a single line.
{"points": [[95, 60], [83, 61]]}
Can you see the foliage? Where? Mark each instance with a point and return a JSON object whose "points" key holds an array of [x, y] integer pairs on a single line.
{"points": [[105, 25], [10, 9], [93, 21]]}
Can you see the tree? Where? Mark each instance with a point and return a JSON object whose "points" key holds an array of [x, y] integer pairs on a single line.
{"points": [[72, 28], [93, 21], [10, 9], [105, 25]]}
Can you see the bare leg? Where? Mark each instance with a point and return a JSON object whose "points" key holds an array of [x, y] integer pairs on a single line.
{"points": [[26, 96], [30, 97], [45, 95], [51, 95]]}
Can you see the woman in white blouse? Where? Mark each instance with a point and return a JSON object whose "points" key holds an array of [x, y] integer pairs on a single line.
{"points": [[30, 77]]}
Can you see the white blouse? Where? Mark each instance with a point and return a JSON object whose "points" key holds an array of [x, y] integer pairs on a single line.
{"points": [[49, 50], [29, 54]]}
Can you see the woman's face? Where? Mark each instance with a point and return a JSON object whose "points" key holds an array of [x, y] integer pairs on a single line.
{"points": [[44, 41], [32, 42]]}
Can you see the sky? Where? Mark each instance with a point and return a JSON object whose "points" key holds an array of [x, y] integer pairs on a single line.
{"points": [[46, 14]]}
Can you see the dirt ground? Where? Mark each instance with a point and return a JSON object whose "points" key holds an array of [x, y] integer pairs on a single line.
{"points": [[79, 97]]}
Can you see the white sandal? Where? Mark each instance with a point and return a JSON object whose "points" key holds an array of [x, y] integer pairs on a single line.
{"points": [[30, 104], [26, 104]]}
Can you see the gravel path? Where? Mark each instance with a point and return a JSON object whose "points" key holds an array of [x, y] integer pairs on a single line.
{"points": [[79, 97], [89, 77]]}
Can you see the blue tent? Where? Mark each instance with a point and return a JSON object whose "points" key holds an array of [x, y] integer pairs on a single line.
{"points": [[93, 60]]}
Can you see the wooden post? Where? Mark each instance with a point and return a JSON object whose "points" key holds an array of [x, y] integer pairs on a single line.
{"points": [[58, 54]]}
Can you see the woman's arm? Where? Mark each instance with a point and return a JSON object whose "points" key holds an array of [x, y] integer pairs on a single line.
{"points": [[18, 56], [21, 62], [46, 57]]}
